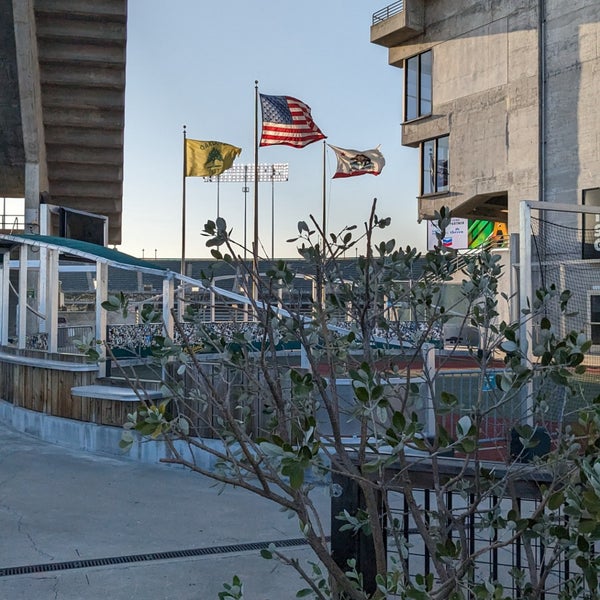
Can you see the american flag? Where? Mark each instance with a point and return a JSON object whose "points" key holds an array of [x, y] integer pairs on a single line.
{"points": [[287, 120]]}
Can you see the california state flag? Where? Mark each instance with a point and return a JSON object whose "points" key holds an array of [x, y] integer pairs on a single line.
{"points": [[357, 162]]}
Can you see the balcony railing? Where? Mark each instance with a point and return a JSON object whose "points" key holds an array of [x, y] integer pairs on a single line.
{"points": [[397, 23], [388, 11], [12, 222]]}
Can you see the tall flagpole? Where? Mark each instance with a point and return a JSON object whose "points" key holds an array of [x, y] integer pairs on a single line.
{"points": [[272, 212], [324, 200], [183, 205], [255, 241]]}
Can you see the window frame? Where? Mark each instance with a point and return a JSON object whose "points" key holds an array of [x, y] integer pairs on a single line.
{"points": [[438, 190], [419, 87], [592, 324], [590, 240]]}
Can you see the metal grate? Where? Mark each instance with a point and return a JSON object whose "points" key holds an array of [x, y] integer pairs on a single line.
{"points": [[134, 558]]}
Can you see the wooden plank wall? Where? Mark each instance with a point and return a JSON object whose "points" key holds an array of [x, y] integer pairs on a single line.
{"points": [[48, 391]]}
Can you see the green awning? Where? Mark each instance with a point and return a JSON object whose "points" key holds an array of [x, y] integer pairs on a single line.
{"points": [[87, 250]]}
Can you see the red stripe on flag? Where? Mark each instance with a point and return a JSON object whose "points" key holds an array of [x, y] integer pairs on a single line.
{"points": [[299, 133]]}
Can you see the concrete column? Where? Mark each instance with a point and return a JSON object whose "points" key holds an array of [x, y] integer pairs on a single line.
{"points": [[32, 197], [4, 290], [36, 173]]}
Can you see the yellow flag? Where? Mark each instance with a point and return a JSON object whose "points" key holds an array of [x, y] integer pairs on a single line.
{"points": [[204, 159]]}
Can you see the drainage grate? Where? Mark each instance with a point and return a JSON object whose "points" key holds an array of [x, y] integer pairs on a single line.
{"points": [[134, 558]]}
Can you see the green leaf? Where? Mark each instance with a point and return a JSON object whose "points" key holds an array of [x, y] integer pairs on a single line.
{"points": [[398, 420], [556, 500], [586, 526], [449, 399], [362, 394]]}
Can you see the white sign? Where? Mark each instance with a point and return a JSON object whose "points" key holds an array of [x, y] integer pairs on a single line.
{"points": [[456, 237]]}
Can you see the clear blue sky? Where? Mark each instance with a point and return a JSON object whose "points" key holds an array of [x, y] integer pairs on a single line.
{"points": [[194, 63]]}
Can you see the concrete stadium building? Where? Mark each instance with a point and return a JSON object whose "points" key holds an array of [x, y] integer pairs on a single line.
{"points": [[62, 101], [500, 99]]}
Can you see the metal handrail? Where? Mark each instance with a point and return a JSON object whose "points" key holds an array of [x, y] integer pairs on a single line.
{"points": [[10, 221], [388, 11]]}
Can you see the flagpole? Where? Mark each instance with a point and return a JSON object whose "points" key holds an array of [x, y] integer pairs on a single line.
{"points": [[183, 205], [324, 199], [255, 241], [245, 189], [272, 212]]}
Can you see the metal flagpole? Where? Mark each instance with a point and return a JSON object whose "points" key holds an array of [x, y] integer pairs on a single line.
{"points": [[218, 182], [275, 173], [245, 189], [272, 212], [183, 204], [324, 200], [255, 241]]}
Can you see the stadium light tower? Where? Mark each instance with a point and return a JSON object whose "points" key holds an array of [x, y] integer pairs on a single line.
{"points": [[238, 173]]}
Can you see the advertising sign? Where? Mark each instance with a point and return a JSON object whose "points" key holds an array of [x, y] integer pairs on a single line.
{"points": [[468, 233], [456, 237]]}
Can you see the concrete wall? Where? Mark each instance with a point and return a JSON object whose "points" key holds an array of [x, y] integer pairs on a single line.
{"points": [[12, 156], [99, 439], [516, 85], [487, 96], [572, 131], [62, 99]]}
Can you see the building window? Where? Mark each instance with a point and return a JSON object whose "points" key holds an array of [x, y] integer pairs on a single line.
{"points": [[591, 225], [435, 173], [595, 318], [417, 86]]}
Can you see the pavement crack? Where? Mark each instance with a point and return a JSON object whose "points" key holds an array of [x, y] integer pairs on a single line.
{"points": [[21, 528]]}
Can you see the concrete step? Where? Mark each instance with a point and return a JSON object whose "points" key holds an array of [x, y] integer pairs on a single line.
{"points": [[79, 136], [105, 8], [77, 75], [84, 154], [88, 118], [86, 172], [58, 96], [66, 50], [61, 27], [86, 189]]}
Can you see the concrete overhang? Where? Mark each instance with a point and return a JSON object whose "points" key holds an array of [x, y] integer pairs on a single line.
{"points": [[490, 207], [397, 23]]}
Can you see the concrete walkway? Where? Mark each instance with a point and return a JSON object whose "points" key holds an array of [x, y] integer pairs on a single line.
{"points": [[60, 505]]}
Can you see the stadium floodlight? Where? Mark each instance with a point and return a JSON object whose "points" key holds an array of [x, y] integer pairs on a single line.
{"points": [[275, 172], [240, 173]]}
